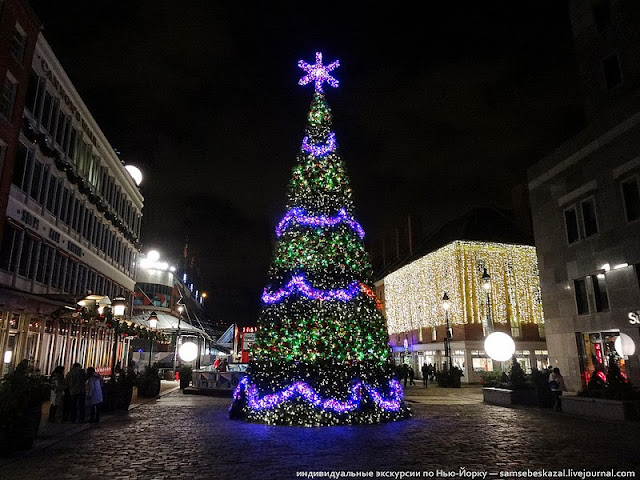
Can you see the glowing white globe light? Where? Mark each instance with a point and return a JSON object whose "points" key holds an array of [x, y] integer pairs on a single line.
{"points": [[499, 346], [624, 345], [153, 256], [188, 351], [135, 173]]}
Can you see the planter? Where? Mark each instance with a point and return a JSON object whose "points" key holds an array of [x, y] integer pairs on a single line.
{"points": [[149, 388], [507, 397], [602, 408], [21, 436]]}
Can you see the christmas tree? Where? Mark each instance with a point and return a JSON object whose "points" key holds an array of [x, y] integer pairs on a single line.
{"points": [[321, 355]]}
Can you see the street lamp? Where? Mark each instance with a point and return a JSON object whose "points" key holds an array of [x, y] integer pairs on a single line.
{"points": [[175, 352], [153, 323], [446, 304], [485, 280], [118, 308], [498, 345]]}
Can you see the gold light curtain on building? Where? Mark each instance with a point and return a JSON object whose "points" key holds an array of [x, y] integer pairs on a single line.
{"points": [[413, 294]]}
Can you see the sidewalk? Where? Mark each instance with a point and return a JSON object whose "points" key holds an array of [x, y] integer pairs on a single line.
{"points": [[436, 395], [51, 433]]}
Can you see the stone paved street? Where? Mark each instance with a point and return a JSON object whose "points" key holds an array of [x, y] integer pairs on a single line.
{"points": [[190, 436]]}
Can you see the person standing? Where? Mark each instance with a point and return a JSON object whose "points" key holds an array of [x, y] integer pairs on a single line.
{"points": [[94, 394], [75, 381], [57, 389], [425, 374], [557, 386]]}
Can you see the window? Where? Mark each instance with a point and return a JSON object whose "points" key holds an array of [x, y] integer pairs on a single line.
{"points": [[571, 222], [589, 217], [600, 292], [631, 199], [18, 42], [34, 93], [8, 249], [8, 97], [601, 14], [612, 71], [582, 301], [581, 220]]}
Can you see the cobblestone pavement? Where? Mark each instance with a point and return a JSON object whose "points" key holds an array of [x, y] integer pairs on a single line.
{"points": [[190, 436]]}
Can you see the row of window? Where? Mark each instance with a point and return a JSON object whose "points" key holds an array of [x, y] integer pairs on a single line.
{"points": [[31, 257], [581, 221], [39, 182], [45, 108]]}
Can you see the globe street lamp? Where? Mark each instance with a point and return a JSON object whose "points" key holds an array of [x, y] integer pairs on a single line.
{"points": [[498, 345], [153, 323], [446, 304]]}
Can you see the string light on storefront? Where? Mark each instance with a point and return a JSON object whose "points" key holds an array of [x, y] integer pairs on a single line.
{"points": [[454, 269]]}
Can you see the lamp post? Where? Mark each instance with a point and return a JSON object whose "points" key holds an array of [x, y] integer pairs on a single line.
{"points": [[498, 345], [446, 304], [175, 352], [486, 285], [153, 323], [118, 308]]}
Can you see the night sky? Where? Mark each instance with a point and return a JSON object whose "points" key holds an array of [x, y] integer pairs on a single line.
{"points": [[439, 108]]}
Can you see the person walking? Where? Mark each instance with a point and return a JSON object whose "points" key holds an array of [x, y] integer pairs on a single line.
{"points": [[76, 382], [94, 394], [425, 375], [57, 389], [412, 375], [557, 386], [405, 373]]}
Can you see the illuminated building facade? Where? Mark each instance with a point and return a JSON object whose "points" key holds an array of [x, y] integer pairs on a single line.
{"points": [[178, 308], [585, 200], [412, 296], [71, 224]]}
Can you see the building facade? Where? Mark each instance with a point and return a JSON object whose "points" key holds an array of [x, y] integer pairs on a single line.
{"points": [[412, 297], [585, 200], [71, 225]]}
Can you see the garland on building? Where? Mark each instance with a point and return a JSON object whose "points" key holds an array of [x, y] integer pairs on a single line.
{"points": [[84, 187], [321, 355]]}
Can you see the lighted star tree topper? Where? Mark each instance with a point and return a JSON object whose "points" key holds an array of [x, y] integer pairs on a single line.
{"points": [[321, 355]]}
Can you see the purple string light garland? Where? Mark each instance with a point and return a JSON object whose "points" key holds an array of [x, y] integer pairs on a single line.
{"points": [[320, 150], [392, 403], [300, 217], [299, 283]]}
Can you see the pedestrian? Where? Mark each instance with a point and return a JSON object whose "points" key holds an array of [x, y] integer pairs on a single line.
{"points": [[94, 394], [557, 386], [412, 374], [216, 364], [57, 390], [425, 374], [75, 380], [224, 365], [405, 373]]}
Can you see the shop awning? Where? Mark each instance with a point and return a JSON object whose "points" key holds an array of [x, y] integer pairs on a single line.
{"points": [[169, 324]]}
